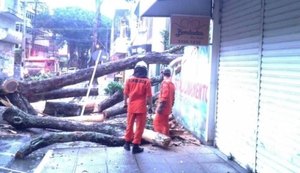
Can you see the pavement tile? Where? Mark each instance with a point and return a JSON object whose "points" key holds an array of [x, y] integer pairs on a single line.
{"points": [[102, 168], [154, 167], [123, 168], [218, 168], [187, 168], [179, 159], [56, 170], [92, 157], [144, 158], [198, 149], [207, 158]]}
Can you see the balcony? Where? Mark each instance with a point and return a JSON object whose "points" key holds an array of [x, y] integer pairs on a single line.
{"points": [[11, 36], [10, 14]]}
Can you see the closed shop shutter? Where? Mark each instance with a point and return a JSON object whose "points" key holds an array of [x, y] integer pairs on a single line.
{"points": [[278, 148], [237, 95]]}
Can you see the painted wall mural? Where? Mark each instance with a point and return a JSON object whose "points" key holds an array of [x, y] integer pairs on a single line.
{"points": [[192, 84]]}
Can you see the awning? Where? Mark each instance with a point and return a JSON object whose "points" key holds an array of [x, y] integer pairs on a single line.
{"points": [[166, 8]]}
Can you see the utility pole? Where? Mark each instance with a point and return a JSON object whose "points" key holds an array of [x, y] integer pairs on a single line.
{"points": [[96, 25], [20, 56], [34, 29]]}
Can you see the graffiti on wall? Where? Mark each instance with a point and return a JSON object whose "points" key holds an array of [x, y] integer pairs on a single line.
{"points": [[192, 84]]}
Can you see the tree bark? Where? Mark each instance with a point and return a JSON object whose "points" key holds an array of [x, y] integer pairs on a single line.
{"points": [[21, 102], [62, 109], [61, 93], [59, 137], [114, 111], [21, 120], [110, 101], [156, 138], [85, 74]]}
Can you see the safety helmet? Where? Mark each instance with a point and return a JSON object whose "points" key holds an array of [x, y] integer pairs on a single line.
{"points": [[141, 64], [167, 72]]}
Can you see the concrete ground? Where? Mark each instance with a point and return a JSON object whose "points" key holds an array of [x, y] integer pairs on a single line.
{"points": [[87, 157], [189, 159]]}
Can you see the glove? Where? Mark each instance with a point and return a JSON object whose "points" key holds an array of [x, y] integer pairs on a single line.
{"points": [[150, 111]]}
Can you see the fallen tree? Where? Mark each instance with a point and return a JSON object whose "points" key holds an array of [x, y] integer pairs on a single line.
{"points": [[63, 109], [57, 82], [21, 120], [61, 93], [114, 111], [20, 102], [59, 137]]}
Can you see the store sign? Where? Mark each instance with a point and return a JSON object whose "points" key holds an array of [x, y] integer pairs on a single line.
{"points": [[189, 30], [140, 49]]}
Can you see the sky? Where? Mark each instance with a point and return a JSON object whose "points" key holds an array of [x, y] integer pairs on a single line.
{"points": [[107, 8]]}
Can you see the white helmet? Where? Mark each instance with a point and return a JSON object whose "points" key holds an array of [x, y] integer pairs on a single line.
{"points": [[141, 64]]}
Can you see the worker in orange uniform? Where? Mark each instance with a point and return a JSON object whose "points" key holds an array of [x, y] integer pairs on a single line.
{"points": [[165, 103], [137, 94]]}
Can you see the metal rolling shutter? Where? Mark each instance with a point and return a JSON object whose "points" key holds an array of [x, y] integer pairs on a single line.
{"points": [[279, 120], [237, 95]]}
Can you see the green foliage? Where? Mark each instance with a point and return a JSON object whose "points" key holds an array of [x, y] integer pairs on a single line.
{"points": [[75, 26], [113, 87], [166, 39], [40, 76]]}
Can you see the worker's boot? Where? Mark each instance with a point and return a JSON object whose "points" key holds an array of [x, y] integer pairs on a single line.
{"points": [[127, 146], [137, 149]]}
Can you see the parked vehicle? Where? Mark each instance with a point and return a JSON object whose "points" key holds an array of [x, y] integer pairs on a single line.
{"points": [[40, 65]]}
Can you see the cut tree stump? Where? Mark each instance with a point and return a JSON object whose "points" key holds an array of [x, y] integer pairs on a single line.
{"points": [[156, 138], [62, 109], [21, 120], [59, 137], [61, 93], [7, 84]]}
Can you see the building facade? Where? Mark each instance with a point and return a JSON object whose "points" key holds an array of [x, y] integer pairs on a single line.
{"points": [[253, 93], [10, 39]]}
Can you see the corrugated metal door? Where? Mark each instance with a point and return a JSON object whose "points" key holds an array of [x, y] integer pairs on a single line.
{"points": [[279, 119], [237, 96]]}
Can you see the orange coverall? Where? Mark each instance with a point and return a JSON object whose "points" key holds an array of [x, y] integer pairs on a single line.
{"points": [[167, 95], [137, 90]]}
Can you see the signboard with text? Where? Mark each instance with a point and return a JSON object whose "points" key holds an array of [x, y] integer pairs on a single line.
{"points": [[189, 30]]}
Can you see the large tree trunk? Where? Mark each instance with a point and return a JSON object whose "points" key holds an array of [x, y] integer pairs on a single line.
{"points": [[114, 111], [85, 74], [110, 101], [59, 137], [63, 109], [61, 93], [21, 120]]}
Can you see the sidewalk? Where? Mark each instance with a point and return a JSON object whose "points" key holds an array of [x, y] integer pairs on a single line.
{"points": [[189, 159]]}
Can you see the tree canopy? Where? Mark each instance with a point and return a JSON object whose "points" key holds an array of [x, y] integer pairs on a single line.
{"points": [[74, 24]]}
